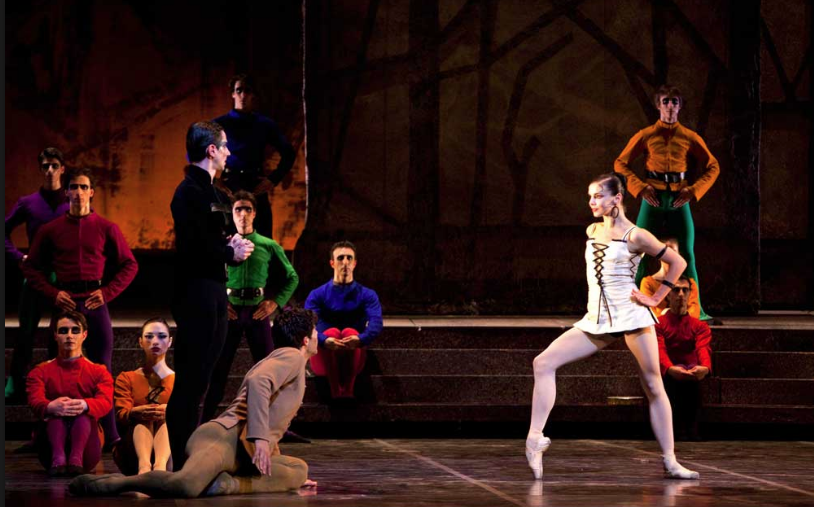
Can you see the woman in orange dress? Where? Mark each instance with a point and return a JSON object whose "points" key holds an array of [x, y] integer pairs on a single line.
{"points": [[140, 402]]}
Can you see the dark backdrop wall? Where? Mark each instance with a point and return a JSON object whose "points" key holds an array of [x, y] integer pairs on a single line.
{"points": [[454, 142], [116, 84]]}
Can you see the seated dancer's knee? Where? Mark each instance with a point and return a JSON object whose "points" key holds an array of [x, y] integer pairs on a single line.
{"points": [[349, 331], [333, 333]]}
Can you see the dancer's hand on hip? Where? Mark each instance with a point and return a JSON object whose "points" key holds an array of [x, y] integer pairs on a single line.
{"points": [[64, 302], [264, 309], [95, 300], [649, 195], [684, 196], [643, 299]]}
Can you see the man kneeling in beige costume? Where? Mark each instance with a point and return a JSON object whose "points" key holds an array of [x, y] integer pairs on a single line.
{"points": [[232, 454]]}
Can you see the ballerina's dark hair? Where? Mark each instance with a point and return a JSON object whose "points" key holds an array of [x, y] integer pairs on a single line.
{"points": [[616, 183], [158, 319]]}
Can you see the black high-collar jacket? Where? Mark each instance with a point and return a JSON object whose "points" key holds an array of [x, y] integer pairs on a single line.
{"points": [[202, 217]]}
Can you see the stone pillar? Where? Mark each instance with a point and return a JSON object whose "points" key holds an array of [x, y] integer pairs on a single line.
{"points": [[743, 181], [424, 118]]}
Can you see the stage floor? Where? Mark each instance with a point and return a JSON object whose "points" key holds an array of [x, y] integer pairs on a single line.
{"points": [[481, 473]]}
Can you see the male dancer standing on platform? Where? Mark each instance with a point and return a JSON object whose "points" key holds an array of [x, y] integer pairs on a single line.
{"points": [[201, 215], [34, 210], [665, 192], [93, 265], [249, 133], [256, 288]]}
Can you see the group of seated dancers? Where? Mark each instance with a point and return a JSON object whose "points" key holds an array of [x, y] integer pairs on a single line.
{"points": [[236, 451]]}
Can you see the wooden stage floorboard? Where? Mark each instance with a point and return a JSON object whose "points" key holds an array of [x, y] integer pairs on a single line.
{"points": [[487, 473]]}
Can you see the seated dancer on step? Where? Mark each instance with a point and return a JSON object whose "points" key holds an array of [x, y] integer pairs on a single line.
{"points": [[615, 309], [650, 284], [350, 318], [237, 453], [686, 358], [69, 395], [140, 400]]}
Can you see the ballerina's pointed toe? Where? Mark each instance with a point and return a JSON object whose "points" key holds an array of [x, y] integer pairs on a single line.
{"points": [[535, 448]]}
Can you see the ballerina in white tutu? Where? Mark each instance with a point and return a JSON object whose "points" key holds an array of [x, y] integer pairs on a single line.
{"points": [[616, 308]]}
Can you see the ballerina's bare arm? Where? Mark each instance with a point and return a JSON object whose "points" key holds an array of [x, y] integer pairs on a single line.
{"points": [[642, 241]]}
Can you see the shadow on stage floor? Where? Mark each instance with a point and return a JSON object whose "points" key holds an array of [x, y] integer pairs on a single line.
{"points": [[480, 473]]}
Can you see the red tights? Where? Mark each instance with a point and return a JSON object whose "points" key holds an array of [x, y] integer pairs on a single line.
{"points": [[340, 366]]}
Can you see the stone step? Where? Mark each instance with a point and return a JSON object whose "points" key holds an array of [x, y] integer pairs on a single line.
{"points": [[571, 389], [511, 362], [488, 390], [477, 389], [538, 338], [724, 338], [447, 412], [737, 391], [764, 364], [605, 362]]}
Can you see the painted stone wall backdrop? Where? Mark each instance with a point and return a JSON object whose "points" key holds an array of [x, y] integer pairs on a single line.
{"points": [[453, 142], [786, 183], [116, 84]]}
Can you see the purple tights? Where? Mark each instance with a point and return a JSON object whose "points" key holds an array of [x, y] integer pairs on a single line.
{"points": [[78, 435]]}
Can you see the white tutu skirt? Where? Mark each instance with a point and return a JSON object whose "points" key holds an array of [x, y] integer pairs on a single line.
{"points": [[611, 310]]}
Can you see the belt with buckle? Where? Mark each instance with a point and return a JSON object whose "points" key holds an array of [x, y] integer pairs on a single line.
{"points": [[79, 286], [245, 293], [666, 177]]}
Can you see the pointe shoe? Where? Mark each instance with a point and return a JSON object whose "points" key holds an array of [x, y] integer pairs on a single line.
{"points": [[535, 447], [673, 470]]}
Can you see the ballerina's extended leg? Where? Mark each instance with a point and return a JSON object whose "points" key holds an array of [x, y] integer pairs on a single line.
{"points": [[571, 346]]}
